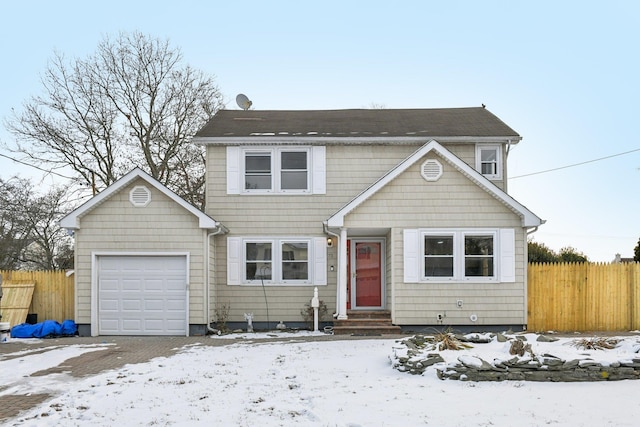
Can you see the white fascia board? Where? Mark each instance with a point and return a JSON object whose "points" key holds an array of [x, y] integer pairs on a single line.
{"points": [[529, 219], [72, 220], [351, 140]]}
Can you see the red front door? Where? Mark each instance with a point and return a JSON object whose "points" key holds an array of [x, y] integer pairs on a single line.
{"points": [[366, 274]]}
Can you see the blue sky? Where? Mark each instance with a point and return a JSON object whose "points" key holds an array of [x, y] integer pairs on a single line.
{"points": [[565, 75]]}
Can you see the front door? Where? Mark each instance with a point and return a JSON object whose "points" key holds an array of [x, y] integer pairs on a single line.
{"points": [[366, 274]]}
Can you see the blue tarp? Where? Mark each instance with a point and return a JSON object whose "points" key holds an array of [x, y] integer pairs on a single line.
{"points": [[46, 329]]}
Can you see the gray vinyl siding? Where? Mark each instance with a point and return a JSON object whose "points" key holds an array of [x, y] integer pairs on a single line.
{"points": [[289, 215], [409, 201], [451, 202], [492, 303], [162, 226]]}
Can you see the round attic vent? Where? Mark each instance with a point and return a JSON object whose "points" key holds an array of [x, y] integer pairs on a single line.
{"points": [[140, 196], [431, 170]]}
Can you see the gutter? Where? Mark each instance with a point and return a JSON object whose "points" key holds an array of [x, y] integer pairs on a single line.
{"points": [[337, 238], [220, 229]]}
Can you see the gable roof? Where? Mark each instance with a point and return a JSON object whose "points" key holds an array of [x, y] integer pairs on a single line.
{"points": [[72, 220], [529, 219], [442, 123]]}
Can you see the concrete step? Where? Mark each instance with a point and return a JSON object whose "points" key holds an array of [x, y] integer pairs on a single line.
{"points": [[361, 322], [367, 330]]}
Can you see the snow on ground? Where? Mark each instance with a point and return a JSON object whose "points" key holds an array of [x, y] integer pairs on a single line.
{"points": [[323, 383]]}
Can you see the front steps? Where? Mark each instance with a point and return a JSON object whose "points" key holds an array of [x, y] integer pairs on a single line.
{"points": [[366, 323]]}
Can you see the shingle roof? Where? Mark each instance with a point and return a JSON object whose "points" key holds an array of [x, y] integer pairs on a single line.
{"points": [[439, 122]]}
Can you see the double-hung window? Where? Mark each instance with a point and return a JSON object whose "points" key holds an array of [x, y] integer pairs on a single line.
{"points": [[276, 170], [489, 160], [258, 171], [459, 255], [276, 261]]}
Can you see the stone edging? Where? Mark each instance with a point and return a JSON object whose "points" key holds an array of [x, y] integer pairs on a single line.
{"points": [[417, 356]]}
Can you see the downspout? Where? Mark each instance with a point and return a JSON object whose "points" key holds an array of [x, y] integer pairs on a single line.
{"points": [[219, 230], [337, 238]]}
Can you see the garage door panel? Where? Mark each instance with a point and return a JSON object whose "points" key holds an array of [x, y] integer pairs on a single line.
{"points": [[132, 305], [107, 304], [175, 305], [154, 305], [131, 325], [110, 284], [142, 295], [133, 285]]}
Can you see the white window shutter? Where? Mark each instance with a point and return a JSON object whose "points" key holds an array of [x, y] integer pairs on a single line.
{"points": [[411, 256], [507, 255], [234, 260], [234, 162], [320, 261], [319, 169]]}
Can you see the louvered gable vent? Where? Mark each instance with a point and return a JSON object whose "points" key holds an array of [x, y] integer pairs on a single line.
{"points": [[431, 170], [140, 196]]}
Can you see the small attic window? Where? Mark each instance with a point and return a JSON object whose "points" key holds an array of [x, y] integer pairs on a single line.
{"points": [[140, 196], [431, 170]]}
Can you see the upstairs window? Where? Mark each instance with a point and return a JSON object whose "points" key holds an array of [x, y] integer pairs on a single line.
{"points": [[276, 170], [257, 171], [489, 160], [293, 170]]}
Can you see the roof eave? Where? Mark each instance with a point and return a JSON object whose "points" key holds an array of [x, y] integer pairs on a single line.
{"points": [[338, 140], [71, 221], [529, 219]]}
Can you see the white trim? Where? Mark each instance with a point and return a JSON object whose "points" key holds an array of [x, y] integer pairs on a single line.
{"points": [[431, 170], [319, 169], [72, 220], [504, 258], [351, 140], [412, 263], [234, 160], [459, 255], [316, 169], [507, 253], [499, 166], [529, 219], [136, 200], [316, 261], [94, 281]]}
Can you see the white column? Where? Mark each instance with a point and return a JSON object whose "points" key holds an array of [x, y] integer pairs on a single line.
{"points": [[342, 275]]}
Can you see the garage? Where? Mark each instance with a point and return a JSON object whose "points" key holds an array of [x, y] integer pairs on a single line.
{"points": [[142, 294]]}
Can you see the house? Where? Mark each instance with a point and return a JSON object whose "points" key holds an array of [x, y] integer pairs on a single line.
{"points": [[620, 260], [401, 212]]}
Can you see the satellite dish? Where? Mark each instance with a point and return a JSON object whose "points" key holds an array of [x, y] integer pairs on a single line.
{"points": [[243, 102]]}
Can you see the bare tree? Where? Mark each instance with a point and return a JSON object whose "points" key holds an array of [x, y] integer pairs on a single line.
{"points": [[50, 246], [130, 104], [14, 228], [30, 236]]}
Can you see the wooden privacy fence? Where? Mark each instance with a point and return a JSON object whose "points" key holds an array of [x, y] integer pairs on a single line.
{"points": [[561, 297], [584, 297], [53, 294]]}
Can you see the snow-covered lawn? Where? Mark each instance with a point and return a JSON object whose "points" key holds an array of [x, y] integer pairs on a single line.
{"points": [[314, 383]]}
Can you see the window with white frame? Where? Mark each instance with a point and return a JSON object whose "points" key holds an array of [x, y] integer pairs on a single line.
{"points": [[276, 170], [276, 261], [459, 255], [489, 160]]}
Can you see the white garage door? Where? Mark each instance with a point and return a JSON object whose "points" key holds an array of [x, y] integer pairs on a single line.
{"points": [[142, 295]]}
